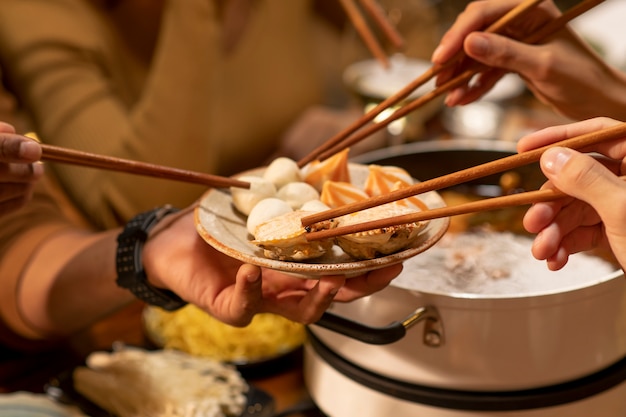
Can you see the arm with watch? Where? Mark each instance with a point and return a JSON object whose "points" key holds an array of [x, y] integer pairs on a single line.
{"points": [[58, 278]]}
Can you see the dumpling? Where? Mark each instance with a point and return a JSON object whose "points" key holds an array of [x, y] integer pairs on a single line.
{"points": [[339, 193], [334, 168]]}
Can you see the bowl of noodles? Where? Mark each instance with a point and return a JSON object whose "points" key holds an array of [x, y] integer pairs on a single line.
{"points": [[269, 343]]}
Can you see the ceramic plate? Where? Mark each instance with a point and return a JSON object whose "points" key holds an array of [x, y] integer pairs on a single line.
{"points": [[25, 404], [224, 228]]}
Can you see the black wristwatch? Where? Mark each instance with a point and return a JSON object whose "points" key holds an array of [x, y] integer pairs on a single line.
{"points": [[128, 260]]}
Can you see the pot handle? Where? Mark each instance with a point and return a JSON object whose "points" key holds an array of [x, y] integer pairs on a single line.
{"points": [[433, 328]]}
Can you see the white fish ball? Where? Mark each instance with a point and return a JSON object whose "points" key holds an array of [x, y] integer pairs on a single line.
{"points": [[315, 206], [245, 199], [297, 193], [265, 210], [282, 171]]}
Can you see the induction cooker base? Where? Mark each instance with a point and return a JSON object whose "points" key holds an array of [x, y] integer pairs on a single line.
{"points": [[342, 389]]}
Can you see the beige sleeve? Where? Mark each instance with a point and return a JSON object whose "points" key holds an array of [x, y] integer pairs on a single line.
{"points": [[88, 92], [56, 275]]}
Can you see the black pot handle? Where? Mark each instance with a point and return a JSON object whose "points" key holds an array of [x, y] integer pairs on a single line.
{"points": [[433, 328]]}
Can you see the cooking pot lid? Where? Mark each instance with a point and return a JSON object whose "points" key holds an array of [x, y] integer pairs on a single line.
{"points": [[496, 265]]}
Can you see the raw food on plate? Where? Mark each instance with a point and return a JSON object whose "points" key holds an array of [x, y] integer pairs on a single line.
{"points": [[133, 382], [274, 217]]}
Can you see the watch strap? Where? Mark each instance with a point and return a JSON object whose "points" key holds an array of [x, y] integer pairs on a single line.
{"points": [[129, 265]]}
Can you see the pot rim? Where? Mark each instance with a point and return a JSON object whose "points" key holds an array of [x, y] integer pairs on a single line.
{"points": [[454, 144], [584, 289], [477, 144]]}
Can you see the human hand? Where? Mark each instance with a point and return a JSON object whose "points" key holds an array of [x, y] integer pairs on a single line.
{"points": [[18, 168], [593, 217], [563, 72], [176, 258]]}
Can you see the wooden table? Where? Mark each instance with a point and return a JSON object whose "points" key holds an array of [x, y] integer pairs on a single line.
{"points": [[286, 386]]}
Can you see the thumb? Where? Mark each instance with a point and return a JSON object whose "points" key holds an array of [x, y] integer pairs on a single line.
{"points": [[581, 176], [6, 128], [501, 52], [248, 297]]}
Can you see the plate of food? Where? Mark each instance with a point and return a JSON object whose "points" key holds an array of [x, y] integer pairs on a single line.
{"points": [[164, 383], [269, 344], [262, 225], [26, 404]]}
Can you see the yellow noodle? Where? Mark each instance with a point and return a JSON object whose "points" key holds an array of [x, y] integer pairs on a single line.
{"points": [[193, 331]]}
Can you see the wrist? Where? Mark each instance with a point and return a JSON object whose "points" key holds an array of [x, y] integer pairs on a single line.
{"points": [[151, 260], [158, 253], [618, 112], [129, 261]]}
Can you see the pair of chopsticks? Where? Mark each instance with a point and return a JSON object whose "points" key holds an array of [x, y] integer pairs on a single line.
{"points": [[377, 14], [455, 178], [75, 157], [343, 139]]}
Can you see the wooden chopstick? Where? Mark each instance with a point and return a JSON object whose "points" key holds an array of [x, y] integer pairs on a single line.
{"points": [[461, 79], [478, 171], [333, 144], [378, 16], [75, 157], [560, 22], [495, 203], [359, 23], [342, 139], [402, 111]]}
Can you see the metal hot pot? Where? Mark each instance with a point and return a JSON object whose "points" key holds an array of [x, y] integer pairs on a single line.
{"points": [[555, 349]]}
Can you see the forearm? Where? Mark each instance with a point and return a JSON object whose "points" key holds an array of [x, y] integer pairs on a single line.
{"points": [[69, 284], [578, 82], [612, 98]]}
